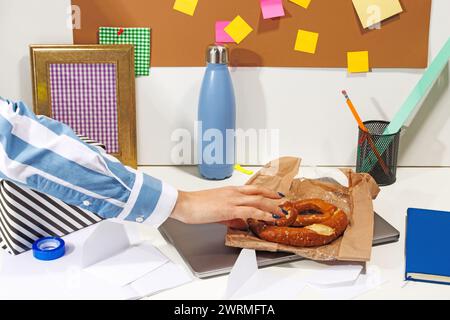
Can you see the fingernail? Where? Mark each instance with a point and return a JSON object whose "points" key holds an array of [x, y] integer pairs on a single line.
{"points": [[275, 216], [285, 211], [281, 194]]}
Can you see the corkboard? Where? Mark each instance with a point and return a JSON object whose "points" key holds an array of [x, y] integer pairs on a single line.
{"points": [[180, 40]]}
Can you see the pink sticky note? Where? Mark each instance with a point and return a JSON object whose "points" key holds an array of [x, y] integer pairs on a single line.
{"points": [[272, 8], [221, 35]]}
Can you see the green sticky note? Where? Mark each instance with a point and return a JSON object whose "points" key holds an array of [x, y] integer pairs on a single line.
{"points": [[421, 90], [139, 37]]}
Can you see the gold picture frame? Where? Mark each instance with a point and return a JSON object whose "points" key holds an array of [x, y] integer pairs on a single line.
{"points": [[116, 62]]}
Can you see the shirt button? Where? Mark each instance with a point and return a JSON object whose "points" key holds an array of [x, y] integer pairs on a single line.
{"points": [[140, 219], [86, 203]]}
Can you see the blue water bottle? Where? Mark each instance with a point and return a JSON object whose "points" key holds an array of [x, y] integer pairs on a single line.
{"points": [[217, 117]]}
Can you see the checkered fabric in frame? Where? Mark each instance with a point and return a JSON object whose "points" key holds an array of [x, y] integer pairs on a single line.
{"points": [[84, 96], [139, 37]]}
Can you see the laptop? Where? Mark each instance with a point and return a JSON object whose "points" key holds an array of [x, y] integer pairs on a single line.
{"points": [[202, 246]]}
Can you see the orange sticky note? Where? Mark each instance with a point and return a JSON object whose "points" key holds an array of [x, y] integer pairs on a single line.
{"points": [[185, 6], [358, 61], [238, 29], [302, 3], [306, 41]]}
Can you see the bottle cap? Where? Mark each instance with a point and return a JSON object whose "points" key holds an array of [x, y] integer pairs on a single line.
{"points": [[217, 54]]}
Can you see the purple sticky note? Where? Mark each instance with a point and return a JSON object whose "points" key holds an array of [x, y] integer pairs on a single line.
{"points": [[221, 35], [272, 9]]}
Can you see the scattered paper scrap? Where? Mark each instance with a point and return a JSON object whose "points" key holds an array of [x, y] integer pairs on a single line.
{"points": [[358, 61], [371, 12], [238, 29], [129, 265], [167, 276], [364, 283], [340, 275], [221, 35], [246, 281], [185, 6], [245, 171], [302, 3], [244, 268], [270, 284], [272, 9], [306, 41]]}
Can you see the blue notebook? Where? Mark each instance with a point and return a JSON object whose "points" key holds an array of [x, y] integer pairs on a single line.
{"points": [[428, 246]]}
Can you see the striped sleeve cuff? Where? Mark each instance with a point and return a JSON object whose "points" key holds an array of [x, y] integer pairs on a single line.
{"points": [[151, 201], [164, 207]]}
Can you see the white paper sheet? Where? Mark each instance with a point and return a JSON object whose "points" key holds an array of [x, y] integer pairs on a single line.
{"points": [[335, 275], [167, 276], [24, 277], [246, 281], [364, 283], [98, 246], [129, 265], [269, 284], [70, 285], [244, 268]]}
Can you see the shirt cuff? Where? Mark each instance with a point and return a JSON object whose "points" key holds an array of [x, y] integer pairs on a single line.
{"points": [[151, 201], [164, 207]]}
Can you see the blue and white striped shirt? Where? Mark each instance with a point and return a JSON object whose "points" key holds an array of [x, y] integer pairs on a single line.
{"points": [[47, 156]]}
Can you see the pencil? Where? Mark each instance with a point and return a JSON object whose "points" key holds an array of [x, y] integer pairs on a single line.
{"points": [[367, 135], [354, 112]]}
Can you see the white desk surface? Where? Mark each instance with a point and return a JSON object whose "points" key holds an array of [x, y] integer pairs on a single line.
{"points": [[415, 187]]}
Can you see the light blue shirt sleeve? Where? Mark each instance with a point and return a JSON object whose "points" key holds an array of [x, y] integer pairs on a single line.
{"points": [[47, 156]]}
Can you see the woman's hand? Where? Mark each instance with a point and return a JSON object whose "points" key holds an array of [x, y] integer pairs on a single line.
{"points": [[226, 204]]}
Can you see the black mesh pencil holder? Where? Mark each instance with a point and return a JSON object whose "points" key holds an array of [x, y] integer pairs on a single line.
{"points": [[378, 153]]}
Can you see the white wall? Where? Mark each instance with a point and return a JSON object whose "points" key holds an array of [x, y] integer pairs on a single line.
{"points": [[25, 22], [305, 104]]}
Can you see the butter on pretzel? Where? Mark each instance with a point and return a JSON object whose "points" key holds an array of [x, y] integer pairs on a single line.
{"points": [[309, 223]]}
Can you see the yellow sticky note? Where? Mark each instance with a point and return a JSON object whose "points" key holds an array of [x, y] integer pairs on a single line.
{"points": [[302, 3], [358, 61], [306, 41], [186, 6], [238, 29], [371, 12]]}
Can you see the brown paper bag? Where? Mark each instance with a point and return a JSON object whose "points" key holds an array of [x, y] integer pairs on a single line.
{"points": [[355, 201]]}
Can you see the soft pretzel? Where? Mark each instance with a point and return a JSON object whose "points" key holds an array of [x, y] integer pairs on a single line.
{"points": [[312, 211], [323, 226]]}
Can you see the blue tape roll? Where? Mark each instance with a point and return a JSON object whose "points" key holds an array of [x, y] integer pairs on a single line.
{"points": [[49, 248]]}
